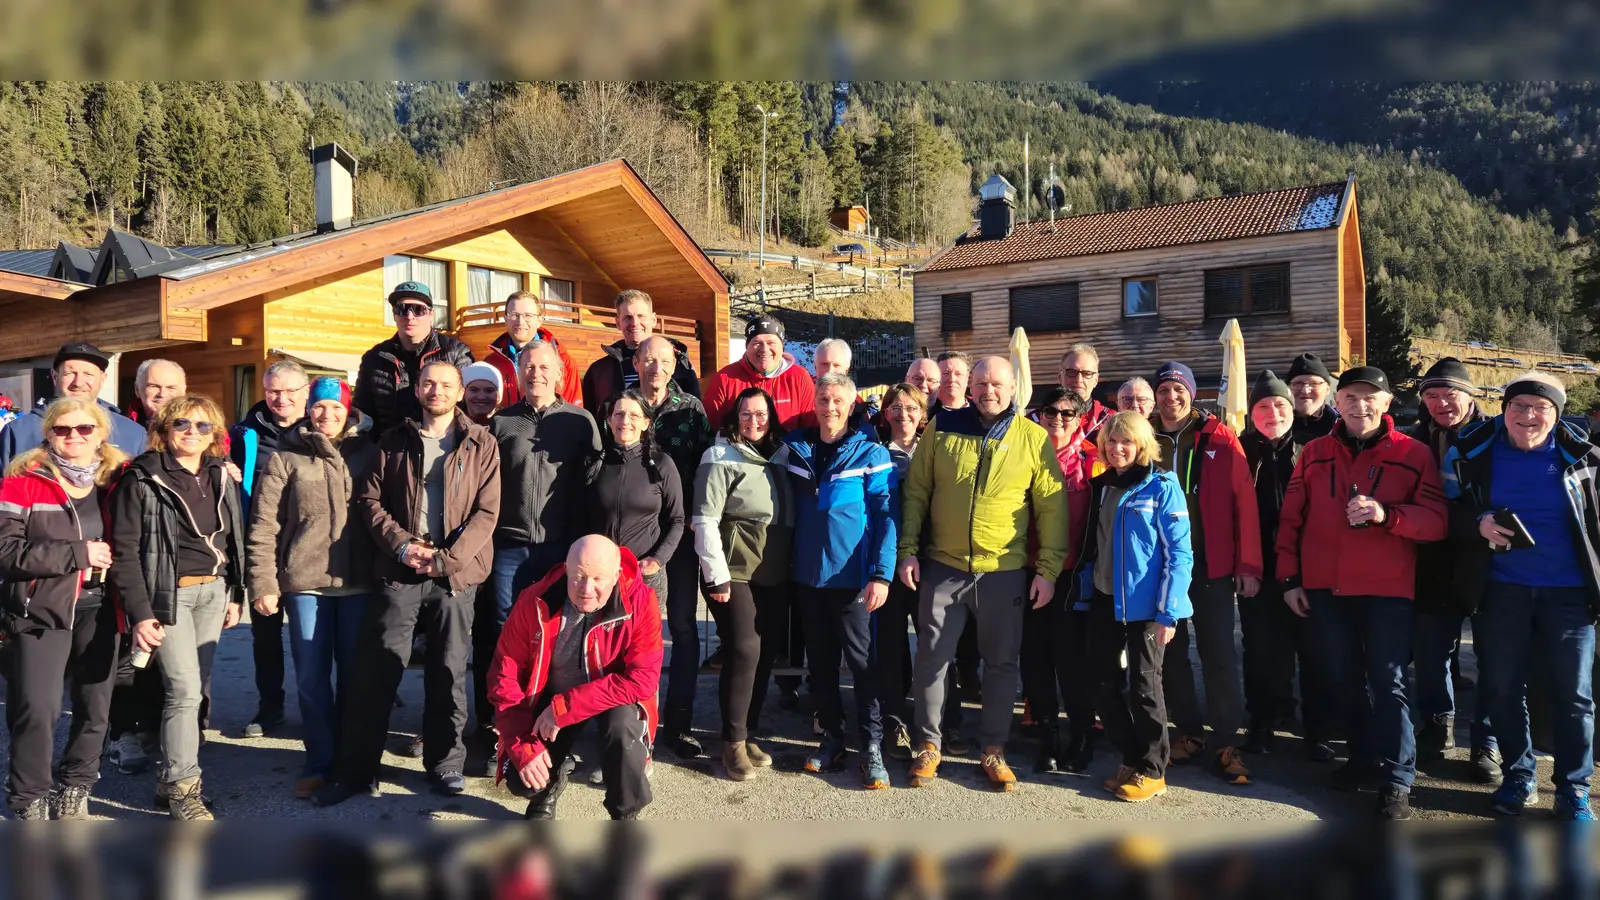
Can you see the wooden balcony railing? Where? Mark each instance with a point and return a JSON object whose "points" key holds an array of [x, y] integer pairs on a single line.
{"points": [[556, 312]]}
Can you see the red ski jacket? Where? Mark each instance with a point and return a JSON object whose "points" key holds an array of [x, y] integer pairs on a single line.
{"points": [[793, 391]]}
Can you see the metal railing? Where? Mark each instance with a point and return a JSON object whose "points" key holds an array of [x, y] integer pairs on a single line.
{"points": [[557, 312]]}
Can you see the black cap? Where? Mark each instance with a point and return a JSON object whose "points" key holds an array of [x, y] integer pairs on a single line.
{"points": [[1268, 384], [1364, 375], [763, 324], [1448, 373], [85, 351], [1309, 364]]}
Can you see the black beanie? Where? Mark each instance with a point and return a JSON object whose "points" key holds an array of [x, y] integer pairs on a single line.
{"points": [[1550, 390], [1447, 373], [1309, 364], [1268, 384]]}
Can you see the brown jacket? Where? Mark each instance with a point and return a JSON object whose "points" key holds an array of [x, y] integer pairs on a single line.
{"points": [[302, 536], [389, 498]]}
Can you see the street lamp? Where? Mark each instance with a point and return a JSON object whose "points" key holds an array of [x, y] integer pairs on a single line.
{"points": [[762, 255]]}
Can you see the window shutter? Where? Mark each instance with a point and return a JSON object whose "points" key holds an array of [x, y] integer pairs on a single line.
{"points": [[1269, 290], [1045, 307], [1224, 293], [955, 313]]}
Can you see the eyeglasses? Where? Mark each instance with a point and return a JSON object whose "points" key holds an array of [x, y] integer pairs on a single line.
{"points": [[523, 317], [1081, 374], [411, 311], [1052, 412], [62, 431], [1531, 409], [191, 425]]}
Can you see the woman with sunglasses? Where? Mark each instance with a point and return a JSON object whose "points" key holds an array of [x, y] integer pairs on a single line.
{"points": [[53, 558], [179, 569]]}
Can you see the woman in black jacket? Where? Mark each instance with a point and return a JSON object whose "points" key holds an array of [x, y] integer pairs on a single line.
{"points": [[53, 557], [179, 561], [636, 498]]}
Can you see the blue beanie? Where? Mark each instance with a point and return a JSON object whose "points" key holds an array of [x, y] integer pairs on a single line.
{"points": [[328, 388], [1176, 371]]}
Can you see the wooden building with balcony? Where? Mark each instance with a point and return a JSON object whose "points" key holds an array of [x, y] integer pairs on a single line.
{"points": [[225, 313], [1156, 283]]}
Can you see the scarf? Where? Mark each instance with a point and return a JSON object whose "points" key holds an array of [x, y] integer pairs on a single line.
{"points": [[77, 476]]}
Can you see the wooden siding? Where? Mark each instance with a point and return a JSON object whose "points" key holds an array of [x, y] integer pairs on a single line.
{"points": [[125, 316], [1134, 346], [17, 286], [209, 365]]}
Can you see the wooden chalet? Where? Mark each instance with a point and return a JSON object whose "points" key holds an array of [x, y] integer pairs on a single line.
{"points": [[225, 313], [851, 218], [1158, 283]]}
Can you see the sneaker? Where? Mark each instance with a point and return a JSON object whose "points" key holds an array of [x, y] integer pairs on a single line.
{"points": [[266, 719], [127, 754], [1000, 774], [898, 742], [1231, 764], [1141, 787], [1049, 758], [1486, 766], [874, 776], [954, 741], [1186, 748], [1394, 804], [736, 762], [414, 748], [449, 783], [306, 788], [816, 725], [1118, 780], [186, 802], [71, 803], [830, 753], [36, 811], [759, 758], [1514, 795], [925, 767], [1572, 805]]}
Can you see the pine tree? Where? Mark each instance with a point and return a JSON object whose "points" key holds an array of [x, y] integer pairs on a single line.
{"points": [[845, 169]]}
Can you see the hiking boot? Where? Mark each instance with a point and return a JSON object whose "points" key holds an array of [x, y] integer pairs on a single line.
{"points": [[830, 753], [1230, 762], [265, 720], [1486, 766], [186, 801], [1435, 737], [163, 798], [1076, 758], [306, 788], [1572, 805], [736, 760], [127, 754], [36, 811], [1118, 780], [897, 741], [543, 804], [953, 740], [1049, 757], [1000, 774], [71, 803], [1394, 804], [874, 776], [925, 767], [1258, 738], [758, 757], [1141, 787], [1513, 797], [1185, 748], [684, 744]]}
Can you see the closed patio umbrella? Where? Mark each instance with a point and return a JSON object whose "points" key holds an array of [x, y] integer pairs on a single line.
{"points": [[1019, 363], [1233, 396]]}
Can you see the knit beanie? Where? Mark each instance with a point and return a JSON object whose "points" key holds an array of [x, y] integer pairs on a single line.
{"points": [[1176, 371], [1268, 385], [1309, 364], [1447, 373], [482, 371], [1526, 385], [329, 388]]}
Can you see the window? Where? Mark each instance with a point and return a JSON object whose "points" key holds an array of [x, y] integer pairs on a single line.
{"points": [[555, 290], [1252, 291], [955, 313], [1045, 307], [244, 389], [1139, 297], [431, 272], [487, 287]]}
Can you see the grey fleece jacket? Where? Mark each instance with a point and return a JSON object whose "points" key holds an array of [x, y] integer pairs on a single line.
{"points": [[743, 517]]}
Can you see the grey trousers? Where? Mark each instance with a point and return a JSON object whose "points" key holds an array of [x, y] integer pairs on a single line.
{"points": [[187, 649], [947, 597], [1213, 628]]}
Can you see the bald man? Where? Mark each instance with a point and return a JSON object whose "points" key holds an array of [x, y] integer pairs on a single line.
{"points": [[978, 475], [582, 644]]}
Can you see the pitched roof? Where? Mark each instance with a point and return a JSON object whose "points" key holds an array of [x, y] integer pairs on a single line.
{"points": [[1305, 208]]}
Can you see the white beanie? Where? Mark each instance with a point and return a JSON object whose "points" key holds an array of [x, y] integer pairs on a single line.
{"points": [[482, 371]]}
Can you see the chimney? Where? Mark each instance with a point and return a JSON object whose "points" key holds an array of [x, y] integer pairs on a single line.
{"points": [[997, 213], [335, 171]]}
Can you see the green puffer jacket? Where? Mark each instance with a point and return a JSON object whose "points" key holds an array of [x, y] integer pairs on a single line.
{"points": [[743, 517]]}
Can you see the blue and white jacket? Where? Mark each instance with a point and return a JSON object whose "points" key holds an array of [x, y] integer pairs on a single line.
{"points": [[846, 518], [1151, 552]]}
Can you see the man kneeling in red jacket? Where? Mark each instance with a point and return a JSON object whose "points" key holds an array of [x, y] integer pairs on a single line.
{"points": [[582, 644]]}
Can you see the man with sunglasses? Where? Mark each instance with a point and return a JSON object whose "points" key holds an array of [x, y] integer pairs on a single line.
{"points": [[1079, 372], [388, 371], [79, 371]]}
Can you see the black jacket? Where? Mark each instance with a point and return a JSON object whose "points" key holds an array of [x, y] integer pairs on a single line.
{"points": [[1308, 429], [146, 518], [1271, 465], [385, 382], [1436, 562], [637, 504], [547, 460], [1468, 469], [605, 380]]}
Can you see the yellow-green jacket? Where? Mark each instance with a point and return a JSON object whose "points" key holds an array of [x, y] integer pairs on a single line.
{"points": [[977, 487]]}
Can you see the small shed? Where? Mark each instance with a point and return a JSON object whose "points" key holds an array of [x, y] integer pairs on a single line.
{"points": [[854, 219]]}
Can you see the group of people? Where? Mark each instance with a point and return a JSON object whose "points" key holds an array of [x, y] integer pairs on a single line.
{"points": [[540, 524]]}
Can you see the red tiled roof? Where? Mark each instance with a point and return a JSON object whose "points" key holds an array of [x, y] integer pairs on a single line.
{"points": [[1216, 219]]}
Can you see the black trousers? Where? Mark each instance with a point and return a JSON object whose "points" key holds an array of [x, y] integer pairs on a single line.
{"points": [[750, 627], [893, 643], [837, 624], [389, 622], [43, 659], [624, 753], [1136, 723], [1275, 640], [790, 649], [683, 607], [1055, 657], [266, 648]]}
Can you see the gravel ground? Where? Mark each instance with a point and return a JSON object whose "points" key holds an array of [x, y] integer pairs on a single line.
{"points": [[253, 779]]}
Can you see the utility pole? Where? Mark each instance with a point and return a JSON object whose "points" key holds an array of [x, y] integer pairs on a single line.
{"points": [[762, 264]]}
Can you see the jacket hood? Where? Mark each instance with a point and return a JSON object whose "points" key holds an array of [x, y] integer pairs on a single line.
{"points": [[1476, 437]]}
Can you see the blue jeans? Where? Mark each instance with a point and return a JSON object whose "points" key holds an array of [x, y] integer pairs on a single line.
{"points": [[322, 635], [1435, 637], [1364, 643], [1522, 623]]}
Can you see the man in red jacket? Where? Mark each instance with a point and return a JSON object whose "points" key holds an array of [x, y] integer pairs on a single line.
{"points": [[766, 366], [583, 643], [523, 328], [1360, 500]]}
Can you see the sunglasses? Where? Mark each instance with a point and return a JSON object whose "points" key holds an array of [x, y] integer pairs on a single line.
{"points": [[191, 425], [411, 311], [1050, 412], [62, 431]]}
